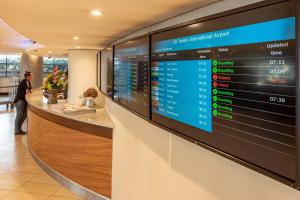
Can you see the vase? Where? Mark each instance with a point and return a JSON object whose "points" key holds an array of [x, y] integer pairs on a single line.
{"points": [[52, 96]]}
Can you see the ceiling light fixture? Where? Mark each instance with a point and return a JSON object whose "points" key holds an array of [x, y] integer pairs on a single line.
{"points": [[75, 38], [49, 52], [195, 25], [78, 47], [96, 13]]}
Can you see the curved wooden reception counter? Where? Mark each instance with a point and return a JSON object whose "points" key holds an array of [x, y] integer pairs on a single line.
{"points": [[75, 150]]}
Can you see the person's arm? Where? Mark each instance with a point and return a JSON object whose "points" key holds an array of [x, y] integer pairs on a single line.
{"points": [[29, 88]]}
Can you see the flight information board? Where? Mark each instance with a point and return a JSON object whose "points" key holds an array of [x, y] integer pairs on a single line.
{"points": [[131, 67], [230, 83]]}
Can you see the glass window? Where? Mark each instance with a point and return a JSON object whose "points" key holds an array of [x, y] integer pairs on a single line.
{"points": [[49, 63], [10, 65], [2, 69], [13, 59], [2, 59]]}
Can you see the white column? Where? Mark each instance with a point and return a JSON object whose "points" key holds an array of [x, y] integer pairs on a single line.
{"points": [[82, 73]]}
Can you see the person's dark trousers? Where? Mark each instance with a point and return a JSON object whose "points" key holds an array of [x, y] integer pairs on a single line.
{"points": [[21, 115]]}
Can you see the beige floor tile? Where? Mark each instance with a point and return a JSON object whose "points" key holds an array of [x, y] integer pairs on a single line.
{"points": [[3, 193], [60, 198], [3, 171], [29, 161], [26, 168], [37, 188], [63, 192], [18, 176], [6, 166], [44, 178], [24, 196], [10, 160], [10, 183]]}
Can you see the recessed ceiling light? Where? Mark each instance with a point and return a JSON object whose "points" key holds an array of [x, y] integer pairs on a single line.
{"points": [[96, 13], [49, 52], [75, 38], [78, 47], [195, 25]]}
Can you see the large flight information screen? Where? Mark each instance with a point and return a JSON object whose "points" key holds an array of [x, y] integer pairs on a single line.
{"points": [[131, 67], [230, 83]]}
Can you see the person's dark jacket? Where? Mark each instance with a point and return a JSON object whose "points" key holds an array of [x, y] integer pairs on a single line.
{"points": [[22, 88]]}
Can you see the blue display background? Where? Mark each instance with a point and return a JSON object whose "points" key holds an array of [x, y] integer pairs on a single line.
{"points": [[133, 51], [276, 30], [184, 92]]}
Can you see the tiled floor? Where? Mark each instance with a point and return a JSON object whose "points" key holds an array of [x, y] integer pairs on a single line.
{"points": [[20, 177]]}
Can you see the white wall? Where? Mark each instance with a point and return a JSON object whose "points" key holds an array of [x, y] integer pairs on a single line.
{"points": [[152, 164], [35, 65], [82, 73]]}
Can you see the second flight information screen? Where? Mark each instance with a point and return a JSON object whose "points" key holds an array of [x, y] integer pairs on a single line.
{"points": [[131, 75], [230, 83]]}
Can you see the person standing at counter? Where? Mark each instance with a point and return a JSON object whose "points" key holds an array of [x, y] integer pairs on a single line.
{"points": [[20, 102]]}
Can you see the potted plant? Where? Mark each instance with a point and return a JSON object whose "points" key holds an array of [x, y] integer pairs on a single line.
{"points": [[53, 85]]}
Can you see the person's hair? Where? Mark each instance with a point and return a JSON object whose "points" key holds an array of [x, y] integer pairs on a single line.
{"points": [[27, 74], [66, 73]]}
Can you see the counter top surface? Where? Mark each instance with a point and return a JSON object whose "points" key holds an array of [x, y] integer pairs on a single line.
{"points": [[98, 118]]}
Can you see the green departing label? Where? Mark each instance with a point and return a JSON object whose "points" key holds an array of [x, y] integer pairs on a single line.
{"points": [[223, 100], [220, 70], [224, 115], [225, 93], [225, 63], [225, 108], [222, 63]]}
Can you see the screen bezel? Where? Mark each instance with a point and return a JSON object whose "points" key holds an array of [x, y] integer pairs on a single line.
{"points": [[99, 70], [293, 183], [297, 4]]}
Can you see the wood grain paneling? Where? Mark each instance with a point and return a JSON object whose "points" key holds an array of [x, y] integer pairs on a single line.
{"points": [[84, 158], [73, 124]]}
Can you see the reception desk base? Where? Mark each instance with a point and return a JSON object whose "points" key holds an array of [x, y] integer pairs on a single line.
{"points": [[80, 159], [68, 183]]}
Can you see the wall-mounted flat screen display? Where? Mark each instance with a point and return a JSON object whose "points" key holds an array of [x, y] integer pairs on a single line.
{"points": [[131, 75], [230, 83], [106, 71]]}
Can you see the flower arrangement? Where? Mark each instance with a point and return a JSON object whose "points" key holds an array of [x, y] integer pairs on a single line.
{"points": [[54, 80]]}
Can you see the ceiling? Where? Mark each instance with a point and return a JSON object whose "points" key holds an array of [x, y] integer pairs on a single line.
{"points": [[54, 23], [11, 41]]}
